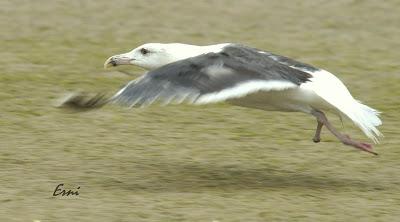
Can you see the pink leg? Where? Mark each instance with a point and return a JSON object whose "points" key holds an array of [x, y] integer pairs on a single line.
{"points": [[317, 136], [345, 139]]}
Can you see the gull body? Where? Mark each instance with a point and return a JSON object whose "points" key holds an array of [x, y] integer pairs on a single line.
{"points": [[242, 76]]}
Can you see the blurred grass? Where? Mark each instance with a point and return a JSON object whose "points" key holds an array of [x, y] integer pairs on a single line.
{"points": [[184, 163]]}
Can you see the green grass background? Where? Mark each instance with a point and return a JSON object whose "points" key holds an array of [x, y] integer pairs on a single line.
{"points": [[192, 163]]}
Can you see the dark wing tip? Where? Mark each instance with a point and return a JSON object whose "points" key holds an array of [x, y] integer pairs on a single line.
{"points": [[82, 101]]}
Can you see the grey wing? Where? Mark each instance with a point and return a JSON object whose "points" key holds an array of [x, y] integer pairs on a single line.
{"points": [[262, 56], [146, 90], [212, 77], [291, 62]]}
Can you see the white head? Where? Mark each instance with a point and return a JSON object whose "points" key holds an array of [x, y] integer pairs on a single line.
{"points": [[154, 55]]}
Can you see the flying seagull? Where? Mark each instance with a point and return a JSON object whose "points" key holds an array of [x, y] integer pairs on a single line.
{"points": [[239, 75]]}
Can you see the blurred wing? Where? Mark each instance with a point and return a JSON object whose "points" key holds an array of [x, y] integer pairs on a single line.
{"points": [[210, 78]]}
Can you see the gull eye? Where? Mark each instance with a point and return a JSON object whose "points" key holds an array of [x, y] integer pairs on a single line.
{"points": [[144, 51]]}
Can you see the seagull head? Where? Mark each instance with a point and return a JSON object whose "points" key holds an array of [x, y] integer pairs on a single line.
{"points": [[154, 55]]}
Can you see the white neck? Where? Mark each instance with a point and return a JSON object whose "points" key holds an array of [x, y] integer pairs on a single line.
{"points": [[183, 51]]}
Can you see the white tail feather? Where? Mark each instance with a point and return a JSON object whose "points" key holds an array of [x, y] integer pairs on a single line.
{"points": [[334, 92], [365, 118]]}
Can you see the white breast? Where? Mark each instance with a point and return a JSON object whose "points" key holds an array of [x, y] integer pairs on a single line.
{"points": [[289, 100]]}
